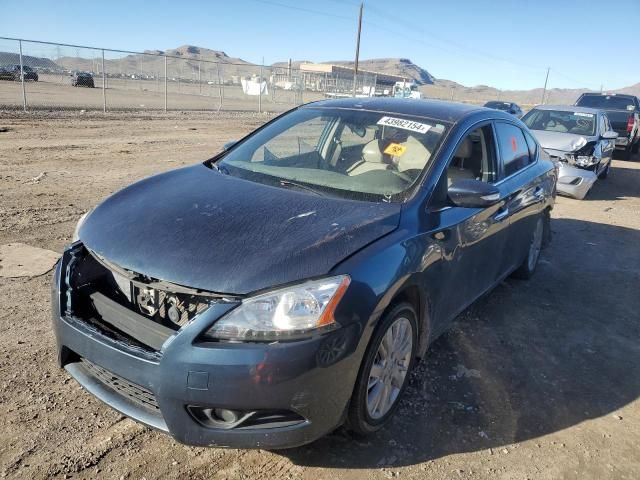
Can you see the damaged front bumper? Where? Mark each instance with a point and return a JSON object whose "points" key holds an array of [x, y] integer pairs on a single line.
{"points": [[573, 181], [239, 395], [575, 177]]}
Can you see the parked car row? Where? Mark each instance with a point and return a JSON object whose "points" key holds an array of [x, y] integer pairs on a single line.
{"points": [[582, 138], [12, 72], [288, 285]]}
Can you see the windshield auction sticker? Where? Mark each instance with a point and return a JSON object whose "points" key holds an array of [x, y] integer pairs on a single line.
{"points": [[404, 124], [580, 114], [395, 150]]}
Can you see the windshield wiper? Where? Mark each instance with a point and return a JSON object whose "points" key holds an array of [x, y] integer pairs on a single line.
{"points": [[223, 170], [289, 183]]}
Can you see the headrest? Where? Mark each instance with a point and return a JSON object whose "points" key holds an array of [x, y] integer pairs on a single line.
{"points": [[371, 152], [415, 156], [465, 149]]}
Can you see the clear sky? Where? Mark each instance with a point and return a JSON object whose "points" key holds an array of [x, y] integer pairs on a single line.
{"points": [[507, 44]]}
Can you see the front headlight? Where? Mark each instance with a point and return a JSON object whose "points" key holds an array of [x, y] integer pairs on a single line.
{"points": [[76, 231], [282, 314], [582, 160]]}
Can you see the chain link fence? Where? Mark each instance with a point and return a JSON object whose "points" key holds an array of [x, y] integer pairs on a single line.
{"points": [[38, 75]]}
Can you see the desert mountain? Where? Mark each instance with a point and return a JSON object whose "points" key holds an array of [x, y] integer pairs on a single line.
{"points": [[184, 66], [7, 58]]}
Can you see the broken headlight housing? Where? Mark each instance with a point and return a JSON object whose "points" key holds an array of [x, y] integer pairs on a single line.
{"points": [[583, 160], [283, 314], [584, 157]]}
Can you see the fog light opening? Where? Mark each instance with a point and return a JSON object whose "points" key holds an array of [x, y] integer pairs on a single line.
{"points": [[223, 415], [225, 419]]}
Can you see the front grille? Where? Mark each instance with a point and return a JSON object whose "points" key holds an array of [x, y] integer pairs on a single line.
{"points": [[135, 393], [136, 311], [171, 309]]}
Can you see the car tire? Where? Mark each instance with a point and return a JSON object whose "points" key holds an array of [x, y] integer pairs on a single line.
{"points": [[605, 173], [376, 393], [636, 147], [539, 239], [626, 153]]}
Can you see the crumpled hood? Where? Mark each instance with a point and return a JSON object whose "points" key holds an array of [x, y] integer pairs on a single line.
{"points": [[202, 229], [563, 142]]}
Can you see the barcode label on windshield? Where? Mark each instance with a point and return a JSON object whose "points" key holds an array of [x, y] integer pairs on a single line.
{"points": [[404, 124], [580, 114]]}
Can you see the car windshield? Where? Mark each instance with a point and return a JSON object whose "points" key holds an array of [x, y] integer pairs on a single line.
{"points": [[611, 102], [341, 152], [560, 121], [498, 105]]}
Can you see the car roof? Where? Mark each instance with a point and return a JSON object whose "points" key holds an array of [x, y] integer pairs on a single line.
{"points": [[567, 108], [434, 109], [595, 94]]}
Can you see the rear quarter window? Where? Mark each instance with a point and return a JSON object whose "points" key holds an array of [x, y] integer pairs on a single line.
{"points": [[513, 147]]}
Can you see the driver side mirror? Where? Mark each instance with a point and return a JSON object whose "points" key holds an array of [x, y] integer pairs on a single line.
{"points": [[473, 194], [229, 144], [610, 135]]}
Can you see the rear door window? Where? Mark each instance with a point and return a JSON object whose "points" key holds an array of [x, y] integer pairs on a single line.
{"points": [[514, 150]]}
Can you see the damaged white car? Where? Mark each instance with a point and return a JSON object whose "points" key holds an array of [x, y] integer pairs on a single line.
{"points": [[580, 139]]}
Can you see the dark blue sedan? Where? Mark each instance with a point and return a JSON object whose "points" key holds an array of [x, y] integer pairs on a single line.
{"points": [[288, 285]]}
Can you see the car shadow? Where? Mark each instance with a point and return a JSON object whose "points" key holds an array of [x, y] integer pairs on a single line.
{"points": [[622, 182], [531, 358]]}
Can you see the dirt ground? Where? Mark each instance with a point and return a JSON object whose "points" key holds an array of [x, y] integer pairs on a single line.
{"points": [[538, 380]]}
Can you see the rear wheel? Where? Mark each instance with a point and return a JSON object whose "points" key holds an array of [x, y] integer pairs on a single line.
{"points": [[626, 153], [605, 173], [528, 267], [636, 147], [384, 373]]}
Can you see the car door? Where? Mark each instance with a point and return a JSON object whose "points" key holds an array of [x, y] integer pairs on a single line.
{"points": [[470, 240], [522, 190]]}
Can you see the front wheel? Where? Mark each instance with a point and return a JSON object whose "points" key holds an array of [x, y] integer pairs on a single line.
{"points": [[528, 267], [383, 375]]}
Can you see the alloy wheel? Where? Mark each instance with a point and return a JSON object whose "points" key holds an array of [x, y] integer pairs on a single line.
{"points": [[389, 369]]}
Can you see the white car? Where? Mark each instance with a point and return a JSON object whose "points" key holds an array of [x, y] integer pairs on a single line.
{"points": [[580, 139]]}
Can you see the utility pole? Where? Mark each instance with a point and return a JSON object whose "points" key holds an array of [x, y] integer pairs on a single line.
{"points": [[355, 67], [544, 91]]}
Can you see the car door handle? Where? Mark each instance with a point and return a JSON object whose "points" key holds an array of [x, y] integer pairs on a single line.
{"points": [[501, 214]]}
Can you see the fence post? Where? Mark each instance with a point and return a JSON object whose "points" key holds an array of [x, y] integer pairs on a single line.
{"points": [[24, 92], [104, 86], [199, 82], [165, 83], [219, 87], [260, 89]]}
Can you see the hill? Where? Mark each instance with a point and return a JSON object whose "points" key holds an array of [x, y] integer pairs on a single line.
{"points": [[185, 65], [7, 58]]}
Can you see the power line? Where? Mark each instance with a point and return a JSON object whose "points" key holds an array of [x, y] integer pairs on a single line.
{"points": [[464, 48], [303, 9]]}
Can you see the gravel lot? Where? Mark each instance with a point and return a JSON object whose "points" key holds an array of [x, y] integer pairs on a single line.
{"points": [[538, 380]]}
